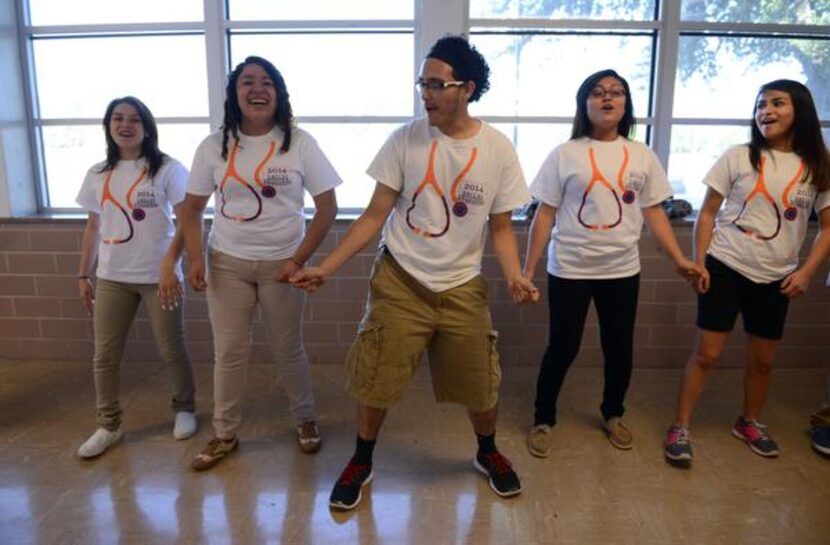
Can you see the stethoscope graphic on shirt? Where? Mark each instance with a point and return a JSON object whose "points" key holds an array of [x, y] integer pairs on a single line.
{"points": [[459, 207], [628, 195], [137, 213], [760, 190], [231, 173]]}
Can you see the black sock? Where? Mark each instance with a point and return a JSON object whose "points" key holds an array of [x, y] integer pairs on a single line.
{"points": [[363, 451], [486, 443]]}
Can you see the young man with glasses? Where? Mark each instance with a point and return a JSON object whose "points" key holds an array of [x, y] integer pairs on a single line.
{"points": [[440, 180]]}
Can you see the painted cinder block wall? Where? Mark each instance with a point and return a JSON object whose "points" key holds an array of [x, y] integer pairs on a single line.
{"points": [[41, 316]]}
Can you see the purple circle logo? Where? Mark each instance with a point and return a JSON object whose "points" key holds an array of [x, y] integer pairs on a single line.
{"points": [[268, 192], [460, 209], [139, 214], [629, 196], [791, 213]]}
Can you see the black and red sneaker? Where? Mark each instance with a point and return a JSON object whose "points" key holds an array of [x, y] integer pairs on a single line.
{"points": [[347, 493], [503, 480]]}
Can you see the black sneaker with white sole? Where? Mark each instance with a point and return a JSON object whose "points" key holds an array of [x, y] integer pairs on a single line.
{"points": [[503, 480], [347, 491]]}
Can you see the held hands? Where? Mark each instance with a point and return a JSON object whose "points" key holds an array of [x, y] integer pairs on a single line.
{"points": [[795, 284], [695, 273], [170, 289], [523, 290], [309, 278], [87, 293], [196, 275], [288, 270]]}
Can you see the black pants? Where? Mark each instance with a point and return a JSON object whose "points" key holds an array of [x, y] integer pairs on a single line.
{"points": [[568, 300]]}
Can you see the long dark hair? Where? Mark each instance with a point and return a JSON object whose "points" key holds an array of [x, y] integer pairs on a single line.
{"points": [[582, 124], [808, 142], [283, 116], [149, 146]]}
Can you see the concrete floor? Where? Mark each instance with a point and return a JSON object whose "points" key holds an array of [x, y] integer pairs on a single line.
{"points": [[425, 488]]}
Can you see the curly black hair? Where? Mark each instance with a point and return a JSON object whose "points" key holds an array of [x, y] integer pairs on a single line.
{"points": [[283, 117], [468, 64]]}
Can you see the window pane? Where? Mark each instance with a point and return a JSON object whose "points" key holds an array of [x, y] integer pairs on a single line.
{"points": [[694, 149], [326, 80], [288, 10], [563, 9], [719, 77], [351, 147], [78, 77], [756, 11], [87, 12], [70, 151], [539, 75]]}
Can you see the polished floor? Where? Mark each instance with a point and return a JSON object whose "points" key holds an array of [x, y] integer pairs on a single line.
{"points": [[425, 488]]}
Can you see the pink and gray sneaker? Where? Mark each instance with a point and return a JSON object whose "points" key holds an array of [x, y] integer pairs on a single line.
{"points": [[753, 434], [678, 447]]}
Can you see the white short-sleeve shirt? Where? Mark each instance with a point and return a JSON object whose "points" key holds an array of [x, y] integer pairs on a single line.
{"points": [[448, 189], [259, 191], [763, 221], [136, 217], [599, 189]]}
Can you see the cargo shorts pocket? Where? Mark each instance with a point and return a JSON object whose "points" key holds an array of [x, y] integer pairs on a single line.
{"points": [[363, 359]]}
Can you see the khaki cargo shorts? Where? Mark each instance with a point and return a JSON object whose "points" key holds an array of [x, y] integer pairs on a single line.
{"points": [[402, 320]]}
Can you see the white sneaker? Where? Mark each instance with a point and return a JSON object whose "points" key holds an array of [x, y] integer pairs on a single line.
{"points": [[185, 426], [98, 442]]}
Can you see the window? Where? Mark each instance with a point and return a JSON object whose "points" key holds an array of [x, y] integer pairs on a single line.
{"points": [[693, 65]]}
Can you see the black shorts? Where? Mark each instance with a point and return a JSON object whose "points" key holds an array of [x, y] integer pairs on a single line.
{"points": [[763, 307]]}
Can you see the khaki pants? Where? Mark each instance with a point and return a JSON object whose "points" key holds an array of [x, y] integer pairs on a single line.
{"points": [[115, 306], [235, 288]]}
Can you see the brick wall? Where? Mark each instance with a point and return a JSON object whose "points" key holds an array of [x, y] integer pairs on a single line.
{"points": [[41, 316]]}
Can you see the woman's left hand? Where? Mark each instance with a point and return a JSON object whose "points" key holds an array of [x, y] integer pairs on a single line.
{"points": [[287, 271], [795, 284]]}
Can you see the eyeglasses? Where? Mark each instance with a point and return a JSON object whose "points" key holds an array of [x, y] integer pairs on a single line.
{"points": [[436, 85], [600, 93]]}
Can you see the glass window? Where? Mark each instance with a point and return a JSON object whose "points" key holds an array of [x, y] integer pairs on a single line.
{"points": [[351, 147], [288, 10], [694, 149], [563, 9], [323, 75], [718, 77], [77, 77], [540, 74], [70, 151], [757, 11], [88, 12]]}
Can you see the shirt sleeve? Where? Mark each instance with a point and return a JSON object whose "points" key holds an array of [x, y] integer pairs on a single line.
{"points": [[387, 166], [175, 181], [200, 182], [547, 186], [720, 176], [87, 196], [657, 188], [319, 174], [512, 192]]}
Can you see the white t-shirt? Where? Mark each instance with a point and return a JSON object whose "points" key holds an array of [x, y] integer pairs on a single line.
{"points": [[448, 189], [599, 188], [136, 217], [259, 191], [758, 238]]}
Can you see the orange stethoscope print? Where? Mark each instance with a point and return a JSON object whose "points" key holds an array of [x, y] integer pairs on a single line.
{"points": [[628, 196], [136, 213], [459, 208], [231, 173], [760, 190]]}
